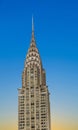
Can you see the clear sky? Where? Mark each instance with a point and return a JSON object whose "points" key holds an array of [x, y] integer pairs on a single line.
{"points": [[56, 33]]}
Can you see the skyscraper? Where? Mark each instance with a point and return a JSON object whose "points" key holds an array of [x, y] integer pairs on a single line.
{"points": [[33, 97]]}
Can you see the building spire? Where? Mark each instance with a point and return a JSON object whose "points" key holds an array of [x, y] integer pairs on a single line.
{"points": [[32, 24], [33, 39]]}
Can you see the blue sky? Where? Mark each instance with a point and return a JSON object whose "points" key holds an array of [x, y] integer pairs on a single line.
{"points": [[56, 33]]}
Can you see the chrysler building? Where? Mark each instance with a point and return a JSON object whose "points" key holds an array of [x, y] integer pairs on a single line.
{"points": [[33, 96]]}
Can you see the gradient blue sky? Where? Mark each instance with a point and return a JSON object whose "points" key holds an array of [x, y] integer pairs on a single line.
{"points": [[56, 33]]}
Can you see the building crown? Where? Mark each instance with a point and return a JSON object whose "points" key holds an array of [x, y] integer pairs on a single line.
{"points": [[33, 56]]}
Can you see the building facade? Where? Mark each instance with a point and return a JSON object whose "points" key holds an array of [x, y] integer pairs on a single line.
{"points": [[33, 97]]}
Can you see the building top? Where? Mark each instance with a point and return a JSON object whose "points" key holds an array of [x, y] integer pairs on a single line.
{"points": [[33, 56]]}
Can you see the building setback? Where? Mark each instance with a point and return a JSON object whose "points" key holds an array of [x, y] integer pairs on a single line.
{"points": [[33, 97]]}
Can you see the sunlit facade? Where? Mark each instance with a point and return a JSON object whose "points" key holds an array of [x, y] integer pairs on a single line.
{"points": [[33, 97]]}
